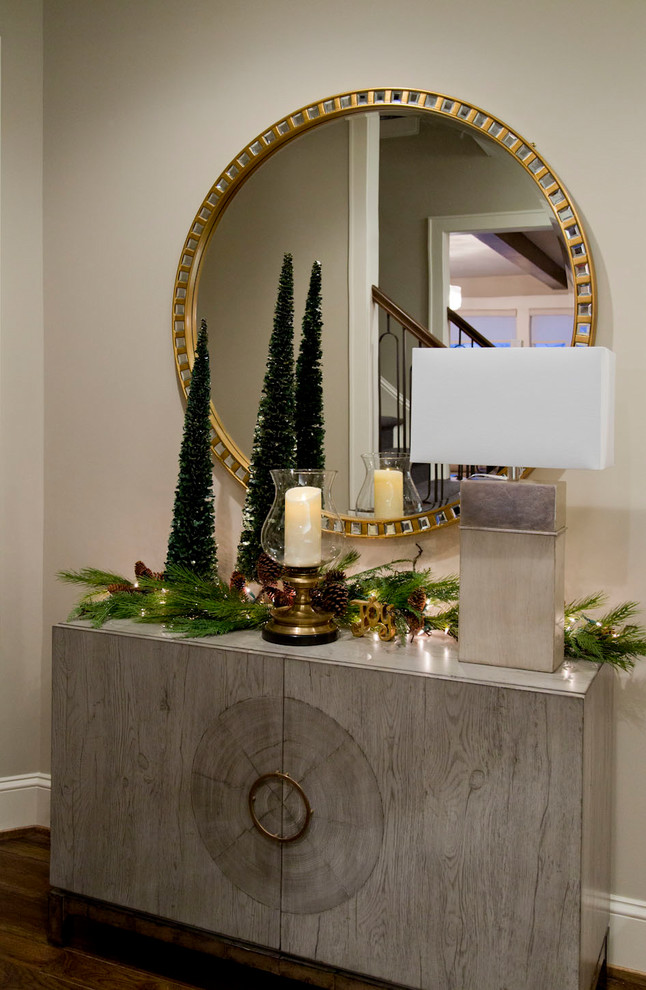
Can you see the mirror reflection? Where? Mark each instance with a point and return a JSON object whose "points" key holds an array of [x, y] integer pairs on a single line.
{"points": [[440, 217]]}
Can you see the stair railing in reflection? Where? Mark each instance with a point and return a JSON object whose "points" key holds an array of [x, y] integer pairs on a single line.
{"points": [[399, 334]]}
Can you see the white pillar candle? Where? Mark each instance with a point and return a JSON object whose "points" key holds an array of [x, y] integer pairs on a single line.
{"points": [[389, 493], [303, 527]]}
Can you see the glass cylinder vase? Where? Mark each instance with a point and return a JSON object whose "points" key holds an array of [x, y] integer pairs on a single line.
{"points": [[388, 490]]}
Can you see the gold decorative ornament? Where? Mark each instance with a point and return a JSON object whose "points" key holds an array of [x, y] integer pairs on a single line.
{"points": [[374, 616], [292, 126], [281, 780]]}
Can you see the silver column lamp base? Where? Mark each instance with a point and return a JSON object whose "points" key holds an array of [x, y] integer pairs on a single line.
{"points": [[512, 548]]}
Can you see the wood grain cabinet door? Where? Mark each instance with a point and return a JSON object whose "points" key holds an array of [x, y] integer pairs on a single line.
{"points": [[150, 777], [444, 846]]}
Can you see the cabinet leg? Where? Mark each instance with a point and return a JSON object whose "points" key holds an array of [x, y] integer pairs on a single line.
{"points": [[602, 983], [601, 980], [56, 917]]}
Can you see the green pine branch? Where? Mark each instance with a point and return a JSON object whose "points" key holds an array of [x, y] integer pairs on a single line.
{"points": [[347, 560], [198, 605], [92, 577], [388, 584], [393, 586], [184, 602], [611, 638], [575, 609], [114, 605], [446, 621]]}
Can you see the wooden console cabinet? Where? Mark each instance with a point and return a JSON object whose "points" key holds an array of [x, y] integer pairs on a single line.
{"points": [[459, 829]]}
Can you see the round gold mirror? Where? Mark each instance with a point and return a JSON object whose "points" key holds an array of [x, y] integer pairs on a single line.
{"points": [[394, 189]]}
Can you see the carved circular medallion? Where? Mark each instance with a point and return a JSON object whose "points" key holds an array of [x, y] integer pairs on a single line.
{"points": [[287, 804]]}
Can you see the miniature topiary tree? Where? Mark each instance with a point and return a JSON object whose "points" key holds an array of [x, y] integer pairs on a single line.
{"points": [[274, 440], [192, 538], [310, 429]]}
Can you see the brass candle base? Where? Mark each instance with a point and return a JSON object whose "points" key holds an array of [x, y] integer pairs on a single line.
{"points": [[298, 624]]}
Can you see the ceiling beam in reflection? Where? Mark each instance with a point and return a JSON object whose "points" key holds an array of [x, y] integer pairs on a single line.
{"points": [[521, 251]]}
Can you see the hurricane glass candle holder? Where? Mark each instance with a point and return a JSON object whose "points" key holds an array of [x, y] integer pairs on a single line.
{"points": [[303, 533], [388, 489]]}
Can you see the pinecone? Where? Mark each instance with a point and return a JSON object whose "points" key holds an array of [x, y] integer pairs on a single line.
{"points": [[290, 592], [268, 569], [120, 587], [284, 596], [414, 624], [237, 582], [417, 599], [277, 596], [334, 577], [334, 598], [316, 600], [142, 571]]}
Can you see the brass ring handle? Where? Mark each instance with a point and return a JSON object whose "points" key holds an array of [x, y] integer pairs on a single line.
{"points": [[284, 778]]}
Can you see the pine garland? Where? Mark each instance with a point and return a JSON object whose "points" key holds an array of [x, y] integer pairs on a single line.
{"points": [[191, 543], [608, 639], [274, 435], [92, 577], [191, 605], [394, 587], [182, 601], [310, 431]]}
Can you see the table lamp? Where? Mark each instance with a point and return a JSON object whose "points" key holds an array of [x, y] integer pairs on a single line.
{"points": [[532, 407]]}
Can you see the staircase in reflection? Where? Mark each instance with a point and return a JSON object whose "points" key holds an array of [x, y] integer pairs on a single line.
{"points": [[399, 335]]}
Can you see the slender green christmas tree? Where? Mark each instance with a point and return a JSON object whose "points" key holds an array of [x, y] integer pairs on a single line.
{"points": [[274, 441], [192, 538], [310, 429]]}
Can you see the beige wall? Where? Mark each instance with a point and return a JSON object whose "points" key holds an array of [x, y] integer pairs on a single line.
{"points": [[145, 103], [21, 388]]}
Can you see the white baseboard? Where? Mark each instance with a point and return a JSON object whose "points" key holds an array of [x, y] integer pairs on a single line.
{"points": [[24, 801], [627, 942]]}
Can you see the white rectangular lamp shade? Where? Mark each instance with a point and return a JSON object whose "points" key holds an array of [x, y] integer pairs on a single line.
{"points": [[524, 407]]}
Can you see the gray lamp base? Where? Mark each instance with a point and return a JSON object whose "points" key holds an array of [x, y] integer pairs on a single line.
{"points": [[512, 543]]}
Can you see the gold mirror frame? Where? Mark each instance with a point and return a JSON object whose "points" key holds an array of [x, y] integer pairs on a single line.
{"points": [[266, 144]]}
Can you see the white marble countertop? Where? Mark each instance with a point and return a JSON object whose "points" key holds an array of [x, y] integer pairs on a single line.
{"points": [[435, 656]]}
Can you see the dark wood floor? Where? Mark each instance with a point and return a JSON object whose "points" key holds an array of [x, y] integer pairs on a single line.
{"points": [[99, 958], [103, 959]]}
